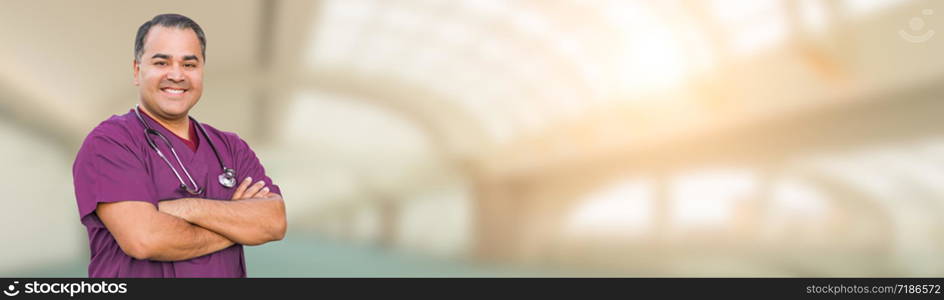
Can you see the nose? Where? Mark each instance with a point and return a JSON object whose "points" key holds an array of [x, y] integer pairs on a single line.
{"points": [[175, 75]]}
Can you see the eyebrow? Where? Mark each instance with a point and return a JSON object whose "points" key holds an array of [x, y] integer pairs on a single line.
{"points": [[165, 56]]}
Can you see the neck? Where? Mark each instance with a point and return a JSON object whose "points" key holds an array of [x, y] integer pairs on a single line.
{"points": [[178, 126]]}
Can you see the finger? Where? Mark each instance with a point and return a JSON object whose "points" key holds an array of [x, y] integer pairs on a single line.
{"points": [[262, 193], [253, 189], [241, 190], [238, 194]]}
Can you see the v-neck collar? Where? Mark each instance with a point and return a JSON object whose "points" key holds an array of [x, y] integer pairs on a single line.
{"points": [[196, 163], [193, 143]]}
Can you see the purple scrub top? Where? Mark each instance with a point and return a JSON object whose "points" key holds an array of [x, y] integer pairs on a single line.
{"points": [[115, 164]]}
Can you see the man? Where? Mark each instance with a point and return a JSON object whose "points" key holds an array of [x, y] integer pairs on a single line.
{"points": [[148, 183]]}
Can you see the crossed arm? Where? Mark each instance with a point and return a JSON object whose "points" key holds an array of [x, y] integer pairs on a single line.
{"points": [[251, 220], [191, 227]]}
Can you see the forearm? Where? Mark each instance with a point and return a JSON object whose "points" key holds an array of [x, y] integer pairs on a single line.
{"points": [[174, 239], [249, 222]]}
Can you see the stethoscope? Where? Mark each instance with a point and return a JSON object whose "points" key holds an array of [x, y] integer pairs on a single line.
{"points": [[227, 178]]}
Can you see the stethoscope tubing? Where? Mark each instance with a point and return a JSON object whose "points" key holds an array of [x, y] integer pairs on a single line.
{"points": [[228, 174]]}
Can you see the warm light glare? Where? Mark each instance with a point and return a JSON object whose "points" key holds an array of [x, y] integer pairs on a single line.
{"points": [[623, 209], [710, 197]]}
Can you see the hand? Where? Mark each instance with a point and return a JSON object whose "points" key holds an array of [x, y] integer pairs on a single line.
{"points": [[247, 191]]}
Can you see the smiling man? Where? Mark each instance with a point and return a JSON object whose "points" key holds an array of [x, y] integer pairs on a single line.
{"points": [[161, 194]]}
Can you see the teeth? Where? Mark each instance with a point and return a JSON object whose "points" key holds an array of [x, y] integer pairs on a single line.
{"points": [[174, 91]]}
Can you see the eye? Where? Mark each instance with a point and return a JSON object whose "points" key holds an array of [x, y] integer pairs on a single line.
{"points": [[160, 63], [190, 65]]}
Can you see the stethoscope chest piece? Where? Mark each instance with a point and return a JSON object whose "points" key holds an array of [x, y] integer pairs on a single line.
{"points": [[228, 178]]}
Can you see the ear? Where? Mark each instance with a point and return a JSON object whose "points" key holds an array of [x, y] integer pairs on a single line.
{"points": [[136, 67]]}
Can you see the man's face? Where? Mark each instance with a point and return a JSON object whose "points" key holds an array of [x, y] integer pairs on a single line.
{"points": [[169, 74]]}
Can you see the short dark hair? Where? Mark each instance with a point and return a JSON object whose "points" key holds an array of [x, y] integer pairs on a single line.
{"points": [[167, 20]]}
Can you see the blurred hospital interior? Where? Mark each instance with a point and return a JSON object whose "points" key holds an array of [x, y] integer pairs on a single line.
{"points": [[438, 138]]}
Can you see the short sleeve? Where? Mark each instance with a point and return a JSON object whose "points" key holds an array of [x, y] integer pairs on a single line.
{"points": [[249, 165], [106, 170]]}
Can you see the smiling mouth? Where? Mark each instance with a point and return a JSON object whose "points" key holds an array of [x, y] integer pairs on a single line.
{"points": [[171, 91]]}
